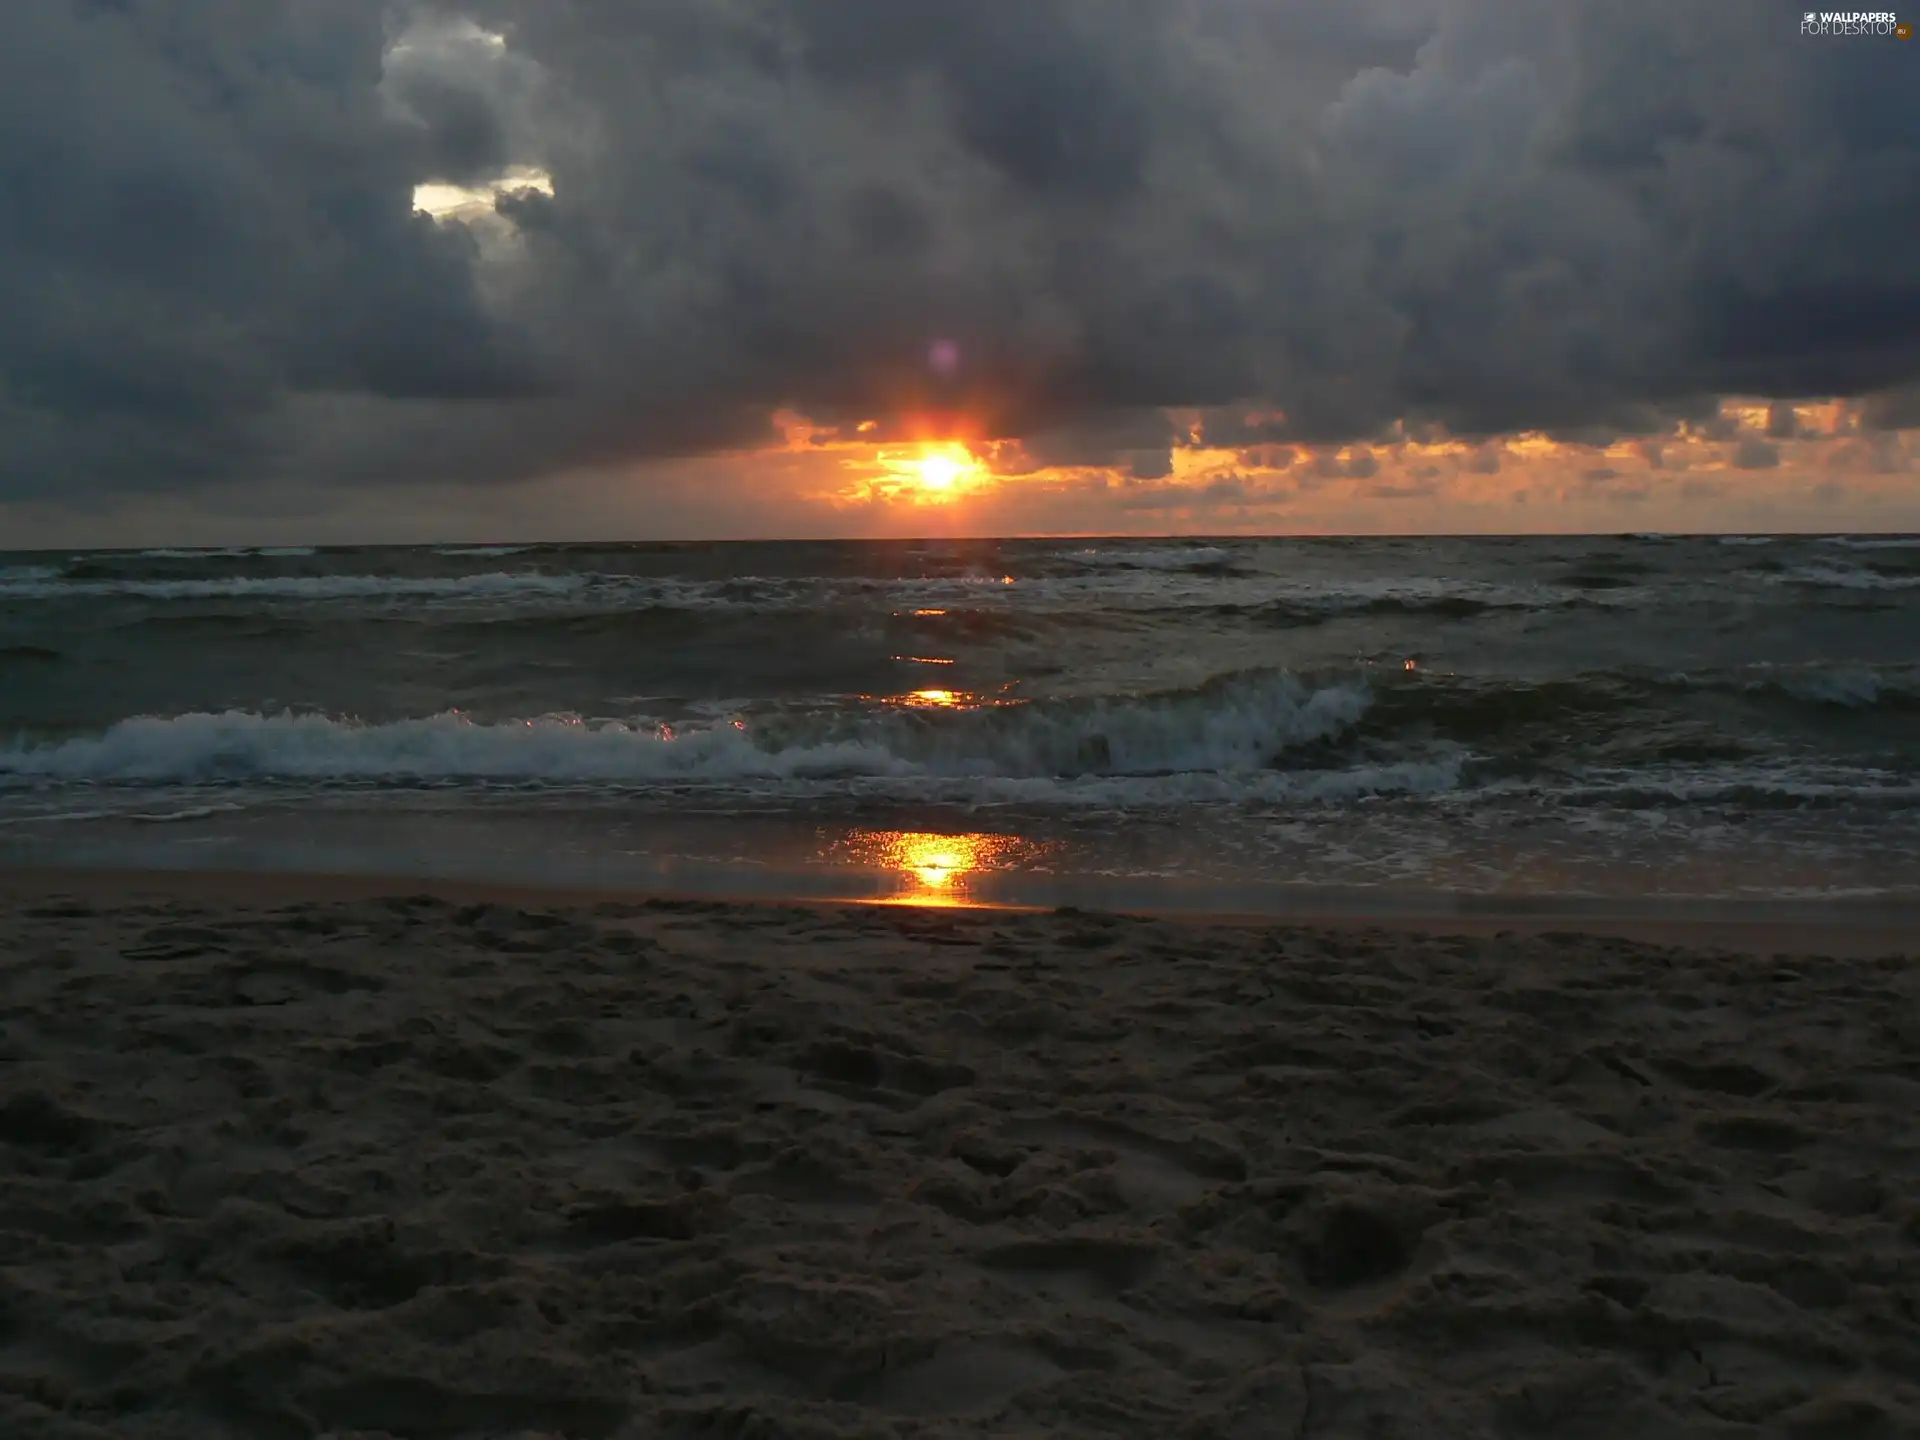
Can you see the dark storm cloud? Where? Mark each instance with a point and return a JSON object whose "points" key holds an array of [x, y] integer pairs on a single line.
{"points": [[203, 207], [1222, 490], [1139, 441], [1585, 218]]}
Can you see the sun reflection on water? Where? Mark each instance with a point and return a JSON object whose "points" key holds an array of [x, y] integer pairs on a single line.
{"points": [[940, 698], [931, 868]]}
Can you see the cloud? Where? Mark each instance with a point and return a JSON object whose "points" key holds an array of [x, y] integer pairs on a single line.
{"points": [[1307, 222], [1895, 409], [1138, 441], [1230, 490]]}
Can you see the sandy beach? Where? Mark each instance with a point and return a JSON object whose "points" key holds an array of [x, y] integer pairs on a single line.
{"points": [[285, 1158]]}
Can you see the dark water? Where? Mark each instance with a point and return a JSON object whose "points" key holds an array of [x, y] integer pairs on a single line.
{"points": [[1629, 717]]}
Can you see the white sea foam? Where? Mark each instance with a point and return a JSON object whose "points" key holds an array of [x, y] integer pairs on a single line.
{"points": [[1239, 726], [1746, 539]]}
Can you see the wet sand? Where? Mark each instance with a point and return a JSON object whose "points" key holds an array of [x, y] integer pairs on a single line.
{"points": [[300, 1157]]}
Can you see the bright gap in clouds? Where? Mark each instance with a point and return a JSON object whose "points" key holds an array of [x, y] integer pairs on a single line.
{"points": [[457, 202], [466, 55]]}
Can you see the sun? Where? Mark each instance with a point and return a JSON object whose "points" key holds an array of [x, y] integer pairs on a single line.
{"points": [[939, 472]]}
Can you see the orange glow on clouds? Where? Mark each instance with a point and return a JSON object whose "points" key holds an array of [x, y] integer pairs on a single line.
{"points": [[1751, 465]]}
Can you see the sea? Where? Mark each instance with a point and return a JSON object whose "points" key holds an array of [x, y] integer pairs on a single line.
{"points": [[1707, 723]]}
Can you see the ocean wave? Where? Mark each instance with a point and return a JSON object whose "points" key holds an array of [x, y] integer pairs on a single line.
{"points": [[1199, 558], [298, 587], [1320, 610], [1428, 777], [1746, 539], [129, 816], [1873, 542], [1848, 687], [1078, 596], [1442, 599], [481, 552], [209, 552], [1738, 787], [1827, 577], [1240, 723], [1642, 716], [1237, 725], [1596, 580]]}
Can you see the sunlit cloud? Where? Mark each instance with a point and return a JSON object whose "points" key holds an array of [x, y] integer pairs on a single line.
{"points": [[584, 251], [1829, 469], [1749, 463]]}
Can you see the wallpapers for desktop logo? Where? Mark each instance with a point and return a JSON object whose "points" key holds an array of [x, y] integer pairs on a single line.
{"points": [[1855, 22]]}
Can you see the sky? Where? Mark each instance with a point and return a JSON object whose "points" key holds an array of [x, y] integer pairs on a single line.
{"points": [[357, 271]]}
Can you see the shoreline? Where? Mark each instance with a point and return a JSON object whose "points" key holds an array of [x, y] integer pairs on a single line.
{"points": [[1862, 930]]}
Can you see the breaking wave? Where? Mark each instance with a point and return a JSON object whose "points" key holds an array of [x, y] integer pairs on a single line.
{"points": [[1237, 724], [1241, 723]]}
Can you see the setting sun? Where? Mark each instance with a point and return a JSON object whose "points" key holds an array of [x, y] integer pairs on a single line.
{"points": [[939, 472]]}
